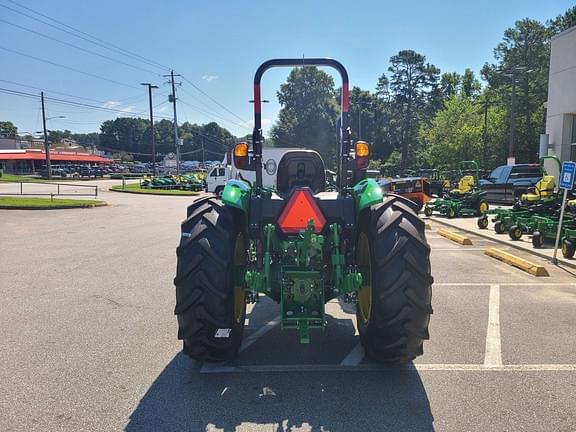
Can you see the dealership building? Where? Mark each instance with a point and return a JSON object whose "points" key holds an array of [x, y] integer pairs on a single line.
{"points": [[29, 161], [560, 135]]}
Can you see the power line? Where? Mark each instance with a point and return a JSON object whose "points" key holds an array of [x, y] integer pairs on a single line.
{"points": [[212, 99], [103, 44], [99, 108], [72, 103], [56, 92], [77, 33], [209, 112], [79, 47], [67, 67]]}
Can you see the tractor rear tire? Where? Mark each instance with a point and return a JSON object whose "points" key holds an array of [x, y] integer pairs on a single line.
{"points": [[399, 293], [210, 307], [499, 227], [428, 211]]}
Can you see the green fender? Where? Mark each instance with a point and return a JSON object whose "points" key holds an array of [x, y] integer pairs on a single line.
{"points": [[367, 192], [236, 194]]}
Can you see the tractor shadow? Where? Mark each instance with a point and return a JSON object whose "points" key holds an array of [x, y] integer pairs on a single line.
{"points": [[182, 398]]}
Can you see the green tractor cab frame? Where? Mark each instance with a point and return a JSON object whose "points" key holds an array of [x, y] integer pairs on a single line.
{"points": [[302, 245]]}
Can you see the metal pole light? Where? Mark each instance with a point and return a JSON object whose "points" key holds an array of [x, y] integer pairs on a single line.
{"points": [[45, 131], [512, 73], [150, 87]]}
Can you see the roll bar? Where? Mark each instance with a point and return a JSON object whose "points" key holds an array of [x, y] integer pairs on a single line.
{"points": [[344, 135]]}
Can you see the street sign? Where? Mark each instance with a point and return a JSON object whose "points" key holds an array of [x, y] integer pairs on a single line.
{"points": [[567, 174], [566, 183]]}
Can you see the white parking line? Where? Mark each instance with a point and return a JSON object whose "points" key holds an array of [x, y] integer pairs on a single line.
{"points": [[493, 353], [259, 333], [457, 249], [530, 284], [223, 367], [218, 368], [354, 357]]}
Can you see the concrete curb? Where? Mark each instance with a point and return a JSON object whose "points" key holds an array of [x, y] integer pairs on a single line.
{"points": [[153, 194], [84, 206], [514, 261], [455, 237], [479, 233]]}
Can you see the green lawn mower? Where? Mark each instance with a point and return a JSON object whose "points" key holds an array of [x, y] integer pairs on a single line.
{"points": [[541, 200], [466, 200], [303, 244]]}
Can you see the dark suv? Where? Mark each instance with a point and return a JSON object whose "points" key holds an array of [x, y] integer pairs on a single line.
{"points": [[507, 183]]}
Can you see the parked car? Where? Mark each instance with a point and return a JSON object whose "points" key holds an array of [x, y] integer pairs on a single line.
{"points": [[506, 183], [56, 172]]}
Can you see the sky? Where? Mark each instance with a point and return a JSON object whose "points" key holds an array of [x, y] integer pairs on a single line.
{"points": [[217, 46]]}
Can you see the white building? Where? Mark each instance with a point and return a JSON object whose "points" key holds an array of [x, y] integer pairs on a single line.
{"points": [[561, 106]]}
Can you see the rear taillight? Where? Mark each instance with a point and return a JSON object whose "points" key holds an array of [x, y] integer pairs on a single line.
{"points": [[301, 207], [241, 155], [362, 154]]}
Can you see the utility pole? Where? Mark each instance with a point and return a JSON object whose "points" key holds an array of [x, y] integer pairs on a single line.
{"points": [[203, 157], [150, 87], [485, 134], [512, 74], [512, 115], [46, 146], [172, 98]]}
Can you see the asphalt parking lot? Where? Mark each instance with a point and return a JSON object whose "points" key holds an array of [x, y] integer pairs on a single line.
{"points": [[89, 341]]}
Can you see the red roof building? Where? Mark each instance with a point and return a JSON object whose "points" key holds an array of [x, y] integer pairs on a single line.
{"points": [[28, 161]]}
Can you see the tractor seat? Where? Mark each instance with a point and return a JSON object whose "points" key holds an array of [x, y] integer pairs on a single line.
{"points": [[301, 168], [544, 188], [465, 186]]}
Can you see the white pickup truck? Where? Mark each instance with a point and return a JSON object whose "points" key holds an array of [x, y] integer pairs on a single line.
{"points": [[224, 171]]}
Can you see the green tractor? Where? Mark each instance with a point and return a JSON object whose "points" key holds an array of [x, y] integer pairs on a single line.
{"points": [[302, 244], [466, 200]]}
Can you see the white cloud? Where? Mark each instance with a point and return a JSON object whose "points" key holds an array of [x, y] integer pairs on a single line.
{"points": [[118, 106], [111, 104], [163, 108], [210, 77]]}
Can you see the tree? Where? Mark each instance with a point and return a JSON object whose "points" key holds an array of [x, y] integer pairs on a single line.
{"points": [[450, 84], [524, 50], [413, 85], [309, 112], [8, 129], [563, 22], [470, 85], [456, 134], [125, 134]]}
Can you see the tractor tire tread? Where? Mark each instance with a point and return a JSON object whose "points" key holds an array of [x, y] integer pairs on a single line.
{"points": [[402, 293], [204, 291]]}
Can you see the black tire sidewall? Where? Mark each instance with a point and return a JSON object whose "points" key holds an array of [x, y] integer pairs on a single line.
{"points": [[383, 245]]}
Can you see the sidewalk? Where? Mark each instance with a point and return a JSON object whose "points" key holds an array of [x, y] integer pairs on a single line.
{"points": [[469, 225]]}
